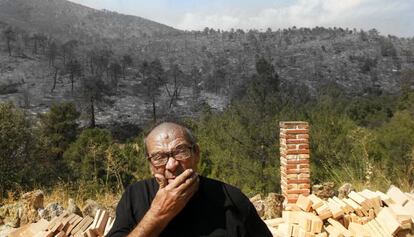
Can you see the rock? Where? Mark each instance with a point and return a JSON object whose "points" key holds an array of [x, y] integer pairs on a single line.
{"points": [[273, 206], [258, 203], [32, 201], [51, 210], [3, 212], [11, 214], [73, 208], [258, 197], [5, 230], [112, 208], [90, 208], [325, 190], [344, 190]]}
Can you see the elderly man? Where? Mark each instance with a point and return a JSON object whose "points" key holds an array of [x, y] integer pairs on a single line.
{"points": [[178, 202]]}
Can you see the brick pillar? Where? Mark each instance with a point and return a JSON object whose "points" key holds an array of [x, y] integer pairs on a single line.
{"points": [[294, 159]]}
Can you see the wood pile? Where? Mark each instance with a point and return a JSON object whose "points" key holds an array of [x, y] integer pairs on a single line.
{"points": [[361, 214], [66, 225]]}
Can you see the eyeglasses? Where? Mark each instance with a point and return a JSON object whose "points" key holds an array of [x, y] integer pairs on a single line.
{"points": [[180, 153]]}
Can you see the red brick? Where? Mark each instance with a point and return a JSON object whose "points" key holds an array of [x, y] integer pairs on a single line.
{"points": [[304, 186], [302, 136], [297, 131], [293, 146], [304, 170], [287, 136], [288, 126], [293, 186], [298, 191], [288, 152], [293, 171], [304, 176], [298, 181], [298, 161], [297, 141], [303, 146], [292, 123], [291, 166], [290, 175]]}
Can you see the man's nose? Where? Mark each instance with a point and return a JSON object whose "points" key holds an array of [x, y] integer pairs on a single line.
{"points": [[172, 164]]}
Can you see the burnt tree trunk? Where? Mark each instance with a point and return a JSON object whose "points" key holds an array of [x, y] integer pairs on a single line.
{"points": [[54, 80], [154, 112], [92, 118]]}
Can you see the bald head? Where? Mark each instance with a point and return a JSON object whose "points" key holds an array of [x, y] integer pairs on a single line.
{"points": [[169, 131]]}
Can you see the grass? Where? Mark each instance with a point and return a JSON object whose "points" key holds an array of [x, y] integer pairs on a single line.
{"points": [[80, 192]]}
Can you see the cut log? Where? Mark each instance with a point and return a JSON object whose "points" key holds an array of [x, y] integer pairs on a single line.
{"points": [[397, 195], [340, 227], [316, 201], [304, 203], [333, 232], [387, 220]]}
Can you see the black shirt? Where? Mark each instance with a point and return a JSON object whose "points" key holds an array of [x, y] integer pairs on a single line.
{"points": [[216, 209]]}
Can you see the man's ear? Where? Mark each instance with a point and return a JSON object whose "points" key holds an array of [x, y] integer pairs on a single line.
{"points": [[151, 169]]}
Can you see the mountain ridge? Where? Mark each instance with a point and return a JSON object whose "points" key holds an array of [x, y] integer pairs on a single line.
{"points": [[212, 64], [71, 20]]}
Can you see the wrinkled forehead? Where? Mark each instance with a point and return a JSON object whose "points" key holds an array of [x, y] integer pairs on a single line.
{"points": [[167, 136]]}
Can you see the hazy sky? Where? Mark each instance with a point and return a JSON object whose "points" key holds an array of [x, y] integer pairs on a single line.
{"points": [[388, 16]]}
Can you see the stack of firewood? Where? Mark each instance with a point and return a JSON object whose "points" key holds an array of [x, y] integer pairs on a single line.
{"points": [[66, 225], [365, 213]]}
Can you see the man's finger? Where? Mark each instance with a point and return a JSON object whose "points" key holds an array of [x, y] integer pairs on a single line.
{"points": [[181, 178], [189, 183], [161, 180], [192, 189]]}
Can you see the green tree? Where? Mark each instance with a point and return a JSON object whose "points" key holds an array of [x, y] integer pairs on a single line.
{"points": [[239, 144], [15, 140], [126, 163], [86, 157], [58, 128], [396, 138], [371, 111], [406, 98], [330, 142], [263, 90]]}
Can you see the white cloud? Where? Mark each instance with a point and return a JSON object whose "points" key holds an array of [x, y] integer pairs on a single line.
{"points": [[390, 17], [200, 21]]}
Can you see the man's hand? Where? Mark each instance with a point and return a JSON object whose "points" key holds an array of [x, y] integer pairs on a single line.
{"points": [[167, 203], [172, 198]]}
